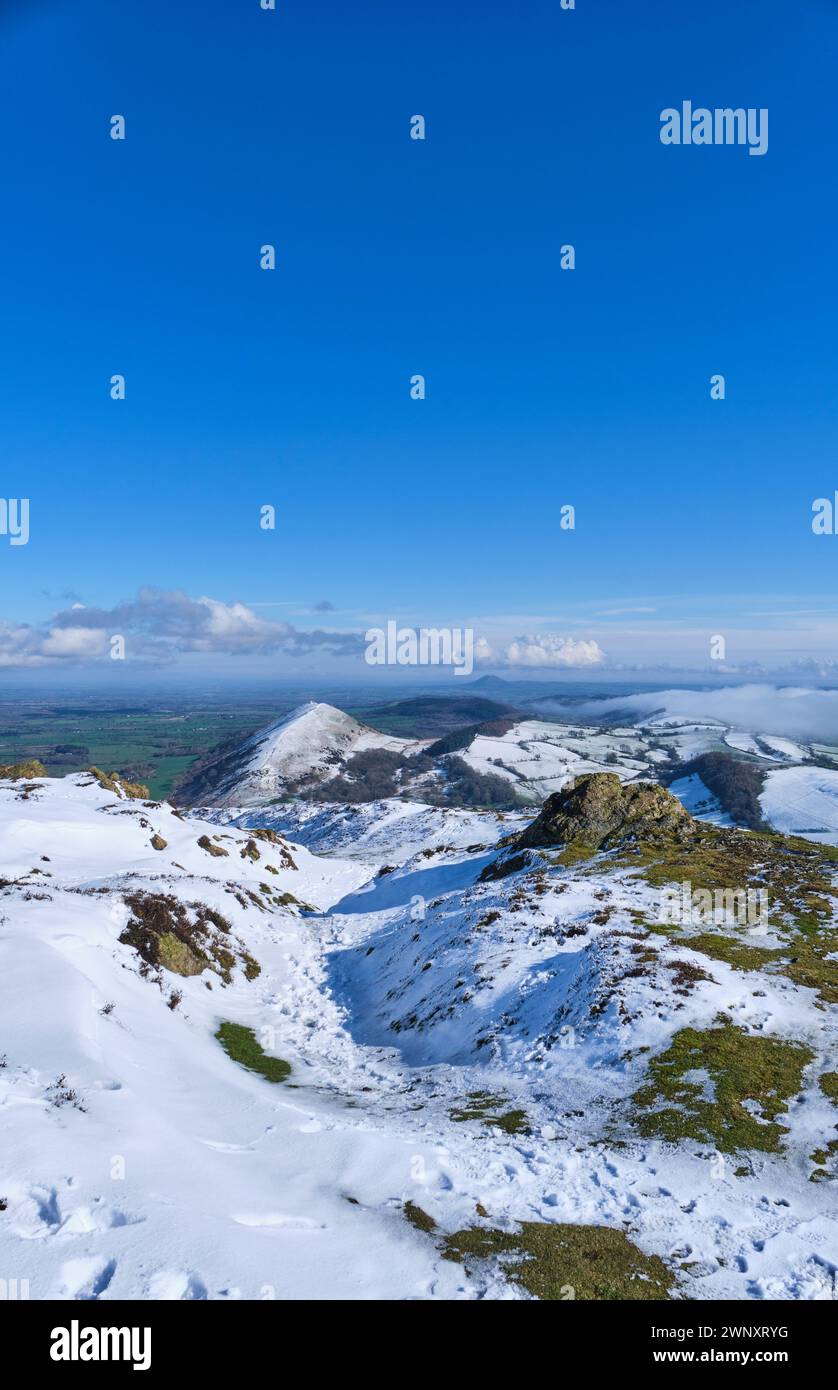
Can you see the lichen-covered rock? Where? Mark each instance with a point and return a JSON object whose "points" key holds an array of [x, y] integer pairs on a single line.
{"points": [[176, 956], [271, 838], [217, 851], [185, 938], [598, 811], [157, 842]]}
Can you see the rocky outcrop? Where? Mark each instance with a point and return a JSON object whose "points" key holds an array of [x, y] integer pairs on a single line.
{"points": [[115, 782], [598, 811]]}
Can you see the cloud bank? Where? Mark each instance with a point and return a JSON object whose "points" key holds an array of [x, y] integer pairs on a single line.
{"points": [[158, 626], [794, 711]]}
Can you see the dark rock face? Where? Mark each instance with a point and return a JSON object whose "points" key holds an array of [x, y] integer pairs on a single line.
{"points": [[598, 811], [502, 868]]}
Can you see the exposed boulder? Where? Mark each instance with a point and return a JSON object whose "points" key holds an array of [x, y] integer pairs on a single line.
{"points": [[503, 867], [598, 811], [217, 851]]}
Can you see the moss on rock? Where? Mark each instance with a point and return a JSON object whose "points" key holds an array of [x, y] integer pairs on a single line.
{"points": [[217, 851], [598, 811], [185, 938], [174, 954]]}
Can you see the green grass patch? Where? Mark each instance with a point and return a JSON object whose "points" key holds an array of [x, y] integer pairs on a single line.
{"points": [[807, 962], [798, 877], [419, 1218], [829, 1085], [728, 949], [674, 1104], [485, 1107], [241, 1046], [574, 853], [557, 1263]]}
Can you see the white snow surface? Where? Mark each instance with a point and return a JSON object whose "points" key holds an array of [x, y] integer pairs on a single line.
{"points": [[174, 1173], [802, 801]]}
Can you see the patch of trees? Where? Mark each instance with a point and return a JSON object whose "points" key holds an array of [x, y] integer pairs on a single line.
{"points": [[735, 783], [466, 786], [461, 738], [371, 775]]}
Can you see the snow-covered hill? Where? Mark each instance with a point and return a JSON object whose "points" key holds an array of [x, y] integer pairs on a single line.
{"points": [[537, 757], [472, 1034], [308, 747]]}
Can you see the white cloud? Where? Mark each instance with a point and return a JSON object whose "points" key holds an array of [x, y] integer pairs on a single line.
{"points": [[544, 651], [74, 642]]}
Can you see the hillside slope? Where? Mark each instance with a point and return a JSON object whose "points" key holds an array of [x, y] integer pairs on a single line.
{"points": [[235, 1069], [306, 748]]}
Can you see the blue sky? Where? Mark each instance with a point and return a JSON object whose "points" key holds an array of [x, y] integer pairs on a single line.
{"points": [[396, 256]]}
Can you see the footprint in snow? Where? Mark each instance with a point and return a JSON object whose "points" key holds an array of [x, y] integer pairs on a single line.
{"points": [[176, 1285], [86, 1278], [223, 1147], [99, 1216], [39, 1215], [276, 1221]]}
